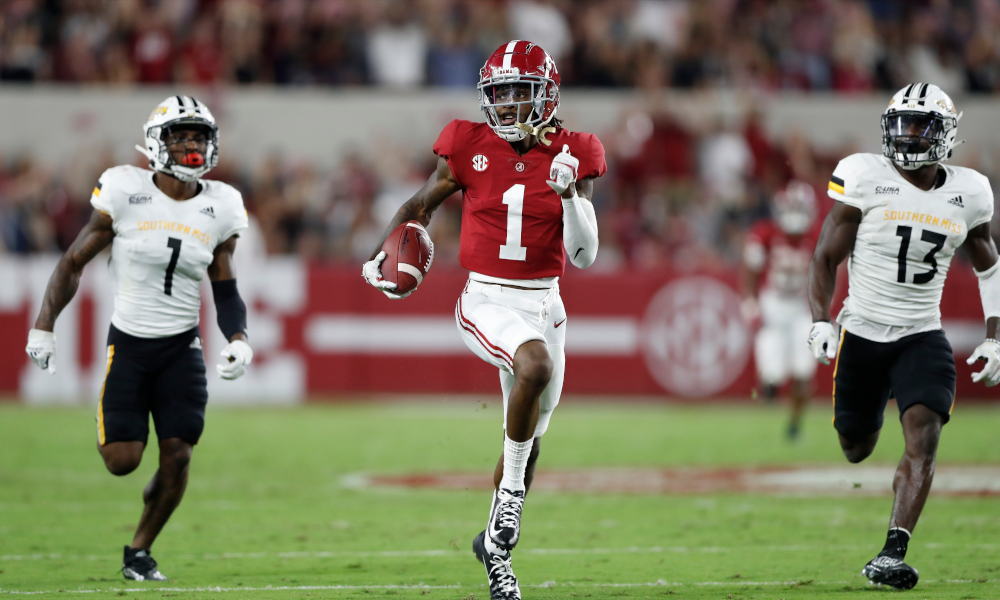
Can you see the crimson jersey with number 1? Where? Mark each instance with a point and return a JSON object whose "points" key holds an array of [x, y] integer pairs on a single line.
{"points": [[511, 219]]}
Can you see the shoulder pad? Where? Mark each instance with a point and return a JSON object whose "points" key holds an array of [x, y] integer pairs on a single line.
{"points": [[123, 178]]}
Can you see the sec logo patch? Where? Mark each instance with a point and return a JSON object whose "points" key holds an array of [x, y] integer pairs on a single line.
{"points": [[519, 167], [480, 162]]}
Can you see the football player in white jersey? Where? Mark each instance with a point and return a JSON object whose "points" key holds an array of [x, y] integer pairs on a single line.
{"points": [[167, 227], [898, 219]]}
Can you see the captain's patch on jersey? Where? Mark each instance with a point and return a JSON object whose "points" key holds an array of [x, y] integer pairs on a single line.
{"points": [[837, 184]]}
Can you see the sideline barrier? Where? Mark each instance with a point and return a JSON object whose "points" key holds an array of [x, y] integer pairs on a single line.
{"points": [[320, 331]]}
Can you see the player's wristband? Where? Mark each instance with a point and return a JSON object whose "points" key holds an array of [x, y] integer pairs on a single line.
{"points": [[230, 310], [989, 290]]}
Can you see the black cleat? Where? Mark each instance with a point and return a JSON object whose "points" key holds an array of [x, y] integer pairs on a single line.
{"points": [[140, 566], [503, 582], [890, 571], [504, 526]]}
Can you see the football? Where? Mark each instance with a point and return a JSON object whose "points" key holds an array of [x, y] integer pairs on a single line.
{"points": [[409, 253]]}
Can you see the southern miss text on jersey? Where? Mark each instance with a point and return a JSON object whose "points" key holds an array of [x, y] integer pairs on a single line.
{"points": [[162, 247], [906, 238], [511, 219]]}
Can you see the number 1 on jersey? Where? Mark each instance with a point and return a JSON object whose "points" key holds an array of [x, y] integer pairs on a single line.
{"points": [[514, 199], [168, 281]]}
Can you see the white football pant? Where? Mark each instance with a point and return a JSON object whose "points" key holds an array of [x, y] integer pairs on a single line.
{"points": [[495, 320], [780, 349]]}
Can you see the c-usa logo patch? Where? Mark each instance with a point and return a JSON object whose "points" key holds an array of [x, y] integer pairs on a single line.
{"points": [[480, 162]]}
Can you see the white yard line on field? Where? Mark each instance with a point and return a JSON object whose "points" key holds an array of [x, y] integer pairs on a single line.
{"points": [[446, 553]]}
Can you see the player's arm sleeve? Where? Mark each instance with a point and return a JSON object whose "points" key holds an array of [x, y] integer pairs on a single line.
{"points": [[844, 185], [230, 310], [579, 219], [580, 231], [101, 197]]}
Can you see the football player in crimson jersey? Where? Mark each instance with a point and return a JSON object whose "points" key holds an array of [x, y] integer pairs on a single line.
{"points": [[526, 184], [776, 262]]}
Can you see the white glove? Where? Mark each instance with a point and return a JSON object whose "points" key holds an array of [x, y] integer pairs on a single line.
{"points": [[990, 352], [823, 342], [238, 355], [42, 349], [372, 272], [563, 170]]}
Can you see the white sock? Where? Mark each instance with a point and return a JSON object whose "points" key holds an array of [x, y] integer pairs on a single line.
{"points": [[515, 459]]}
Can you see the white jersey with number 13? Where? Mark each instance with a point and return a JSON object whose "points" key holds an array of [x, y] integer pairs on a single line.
{"points": [[905, 243]]}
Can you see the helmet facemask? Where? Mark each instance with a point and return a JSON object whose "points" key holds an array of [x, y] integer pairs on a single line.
{"points": [[915, 139], [508, 90], [194, 164]]}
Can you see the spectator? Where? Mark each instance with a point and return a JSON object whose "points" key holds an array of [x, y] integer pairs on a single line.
{"points": [[397, 48], [542, 23]]}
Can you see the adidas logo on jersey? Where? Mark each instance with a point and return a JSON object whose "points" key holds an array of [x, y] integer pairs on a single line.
{"points": [[957, 201], [208, 211], [140, 199]]}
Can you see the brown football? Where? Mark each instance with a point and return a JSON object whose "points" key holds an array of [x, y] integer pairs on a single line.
{"points": [[409, 253]]}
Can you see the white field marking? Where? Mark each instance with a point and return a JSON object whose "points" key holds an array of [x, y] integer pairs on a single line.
{"points": [[536, 551], [421, 586]]}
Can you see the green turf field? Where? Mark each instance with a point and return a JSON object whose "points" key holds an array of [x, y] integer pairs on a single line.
{"points": [[267, 515]]}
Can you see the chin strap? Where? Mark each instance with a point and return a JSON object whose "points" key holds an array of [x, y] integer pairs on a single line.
{"points": [[535, 131]]}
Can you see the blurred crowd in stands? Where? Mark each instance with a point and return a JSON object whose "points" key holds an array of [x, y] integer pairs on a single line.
{"points": [[840, 45], [676, 194]]}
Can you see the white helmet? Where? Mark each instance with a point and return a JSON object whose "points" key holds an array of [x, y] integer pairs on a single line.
{"points": [[795, 207], [919, 126], [180, 112]]}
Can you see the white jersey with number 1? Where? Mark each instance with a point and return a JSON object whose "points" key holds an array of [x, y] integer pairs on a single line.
{"points": [[162, 247], [905, 243]]}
